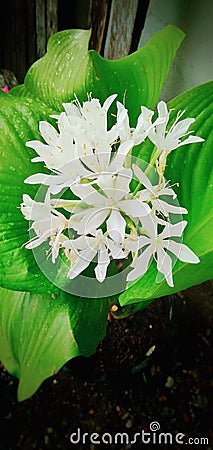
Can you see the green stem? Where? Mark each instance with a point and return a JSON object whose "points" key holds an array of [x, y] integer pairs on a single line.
{"points": [[153, 160], [62, 203]]}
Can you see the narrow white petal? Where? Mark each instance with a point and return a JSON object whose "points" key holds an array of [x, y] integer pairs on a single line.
{"points": [[122, 184], [90, 220], [71, 109], [180, 128], [142, 178], [36, 241], [157, 139], [182, 252], [143, 241], [119, 159], [105, 182], [150, 224], [80, 243], [164, 265], [173, 230], [165, 208], [41, 148], [132, 245], [162, 113], [165, 191], [49, 133], [103, 262], [116, 225], [101, 271], [134, 207], [115, 251], [109, 101], [38, 178], [141, 264], [84, 259], [190, 140], [88, 194]]}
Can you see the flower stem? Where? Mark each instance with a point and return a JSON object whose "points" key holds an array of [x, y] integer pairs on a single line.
{"points": [[154, 157]]}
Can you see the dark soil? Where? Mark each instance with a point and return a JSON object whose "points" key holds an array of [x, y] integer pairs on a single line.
{"points": [[122, 390]]}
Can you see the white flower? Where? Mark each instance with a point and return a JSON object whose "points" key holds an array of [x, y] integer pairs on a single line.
{"points": [[143, 127], [112, 201], [96, 164], [157, 246], [47, 222], [84, 249], [167, 140], [106, 221], [60, 155], [83, 137], [93, 117], [153, 194]]}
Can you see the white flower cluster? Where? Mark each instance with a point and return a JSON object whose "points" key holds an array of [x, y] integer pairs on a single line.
{"points": [[103, 218]]}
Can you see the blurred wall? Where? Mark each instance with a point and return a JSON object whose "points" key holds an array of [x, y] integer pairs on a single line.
{"points": [[194, 62]]}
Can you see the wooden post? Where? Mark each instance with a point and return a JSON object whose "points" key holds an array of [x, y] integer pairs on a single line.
{"points": [[120, 28]]}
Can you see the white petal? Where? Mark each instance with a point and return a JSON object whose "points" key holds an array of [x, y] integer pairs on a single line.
{"points": [[157, 140], [122, 182], [191, 140], [131, 244], [88, 194], [84, 259], [118, 161], [88, 220], [143, 241], [109, 101], [143, 126], [182, 252], [36, 241], [71, 109], [165, 191], [103, 262], [115, 251], [125, 147], [105, 182], [162, 113], [49, 133], [165, 208], [141, 264], [134, 207], [116, 225], [39, 147], [150, 224], [123, 122], [38, 178], [164, 265], [179, 129], [142, 178], [173, 230]]}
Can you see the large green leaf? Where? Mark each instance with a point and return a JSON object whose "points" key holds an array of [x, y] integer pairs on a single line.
{"points": [[39, 334], [139, 77], [18, 123], [192, 167], [69, 68]]}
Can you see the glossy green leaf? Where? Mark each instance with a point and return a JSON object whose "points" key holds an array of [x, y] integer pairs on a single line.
{"points": [[40, 333], [18, 123], [68, 68], [192, 167], [139, 77]]}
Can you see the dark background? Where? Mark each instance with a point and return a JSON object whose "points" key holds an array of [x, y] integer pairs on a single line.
{"points": [[26, 26]]}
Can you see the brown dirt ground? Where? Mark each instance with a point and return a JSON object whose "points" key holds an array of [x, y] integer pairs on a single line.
{"points": [[119, 389]]}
